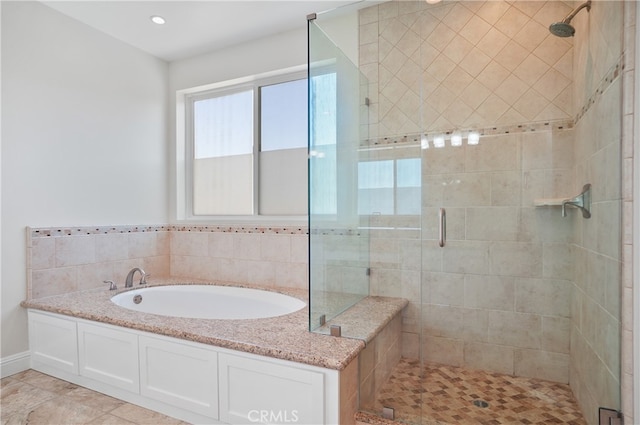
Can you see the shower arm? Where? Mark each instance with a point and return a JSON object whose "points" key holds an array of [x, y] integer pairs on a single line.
{"points": [[571, 15]]}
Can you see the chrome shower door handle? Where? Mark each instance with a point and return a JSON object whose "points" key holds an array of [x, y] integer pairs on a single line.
{"points": [[442, 232]]}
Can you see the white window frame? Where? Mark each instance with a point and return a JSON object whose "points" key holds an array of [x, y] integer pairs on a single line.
{"points": [[184, 145]]}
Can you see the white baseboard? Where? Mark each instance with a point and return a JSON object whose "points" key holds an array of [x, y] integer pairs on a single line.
{"points": [[15, 363]]}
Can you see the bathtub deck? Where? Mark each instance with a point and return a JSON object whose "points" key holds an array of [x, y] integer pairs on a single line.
{"points": [[284, 337]]}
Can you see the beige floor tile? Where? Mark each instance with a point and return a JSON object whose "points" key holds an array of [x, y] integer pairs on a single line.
{"points": [[49, 383], [19, 397], [94, 399], [60, 410], [140, 415], [109, 419]]}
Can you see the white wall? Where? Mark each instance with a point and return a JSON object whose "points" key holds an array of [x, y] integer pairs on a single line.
{"points": [[84, 135], [84, 138]]}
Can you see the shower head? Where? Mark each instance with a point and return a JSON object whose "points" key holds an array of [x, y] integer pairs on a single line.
{"points": [[564, 27]]}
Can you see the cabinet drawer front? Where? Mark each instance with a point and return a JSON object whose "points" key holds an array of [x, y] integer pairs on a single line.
{"points": [[255, 391], [109, 356], [179, 374], [53, 342]]}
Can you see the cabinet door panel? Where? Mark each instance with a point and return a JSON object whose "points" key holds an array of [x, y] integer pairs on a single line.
{"points": [[179, 374], [255, 391], [53, 342], [109, 356]]}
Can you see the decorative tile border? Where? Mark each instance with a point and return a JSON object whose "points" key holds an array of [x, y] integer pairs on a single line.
{"points": [[288, 230], [415, 139], [45, 232], [42, 232], [608, 79]]}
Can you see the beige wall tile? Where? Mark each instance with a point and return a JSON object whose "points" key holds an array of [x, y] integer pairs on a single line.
{"points": [[516, 259], [111, 247], [542, 365], [443, 350], [75, 250], [445, 288], [489, 292], [53, 281], [515, 329], [42, 253], [545, 297], [494, 358], [189, 243], [466, 257]]}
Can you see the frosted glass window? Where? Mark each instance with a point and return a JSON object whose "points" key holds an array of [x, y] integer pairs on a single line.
{"points": [[409, 184], [283, 116], [247, 153], [223, 125], [323, 160], [376, 187], [389, 187], [283, 148]]}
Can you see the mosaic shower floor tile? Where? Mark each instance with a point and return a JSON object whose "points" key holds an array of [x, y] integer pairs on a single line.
{"points": [[446, 395]]}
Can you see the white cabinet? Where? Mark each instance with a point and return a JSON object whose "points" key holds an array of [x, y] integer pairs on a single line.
{"points": [[256, 391], [181, 374], [109, 355], [54, 343], [195, 382]]}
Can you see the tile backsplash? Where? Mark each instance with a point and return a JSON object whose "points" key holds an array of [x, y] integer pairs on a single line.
{"points": [[61, 260]]}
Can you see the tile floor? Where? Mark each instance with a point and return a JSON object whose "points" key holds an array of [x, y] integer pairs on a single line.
{"points": [[445, 395], [33, 398]]}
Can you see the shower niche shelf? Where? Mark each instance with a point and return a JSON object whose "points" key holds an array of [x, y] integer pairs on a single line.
{"points": [[581, 201], [548, 202]]}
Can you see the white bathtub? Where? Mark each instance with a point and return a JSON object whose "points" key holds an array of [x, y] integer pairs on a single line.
{"points": [[208, 302]]}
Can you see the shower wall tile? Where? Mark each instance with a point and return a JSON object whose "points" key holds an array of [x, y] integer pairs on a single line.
{"points": [[443, 350], [476, 325], [489, 292], [467, 51], [474, 255], [444, 289], [492, 224], [516, 259], [543, 296], [542, 365], [556, 334], [493, 358], [515, 329]]}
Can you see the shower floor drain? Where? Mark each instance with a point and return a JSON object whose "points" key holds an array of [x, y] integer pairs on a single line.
{"points": [[480, 403]]}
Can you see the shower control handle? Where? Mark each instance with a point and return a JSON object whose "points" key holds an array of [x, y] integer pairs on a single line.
{"points": [[442, 228]]}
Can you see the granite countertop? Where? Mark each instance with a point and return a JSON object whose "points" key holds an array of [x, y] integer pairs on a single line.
{"points": [[284, 337]]}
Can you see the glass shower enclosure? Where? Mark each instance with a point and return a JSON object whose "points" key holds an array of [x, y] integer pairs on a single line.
{"points": [[441, 179], [339, 240]]}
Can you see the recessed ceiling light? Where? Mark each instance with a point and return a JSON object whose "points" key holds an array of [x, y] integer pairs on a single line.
{"points": [[158, 20]]}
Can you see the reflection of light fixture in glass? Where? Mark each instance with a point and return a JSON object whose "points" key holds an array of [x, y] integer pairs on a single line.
{"points": [[158, 20], [438, 141], [456, 139], [473, 138], [433, 1], [316, 154], [424, 142]]}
